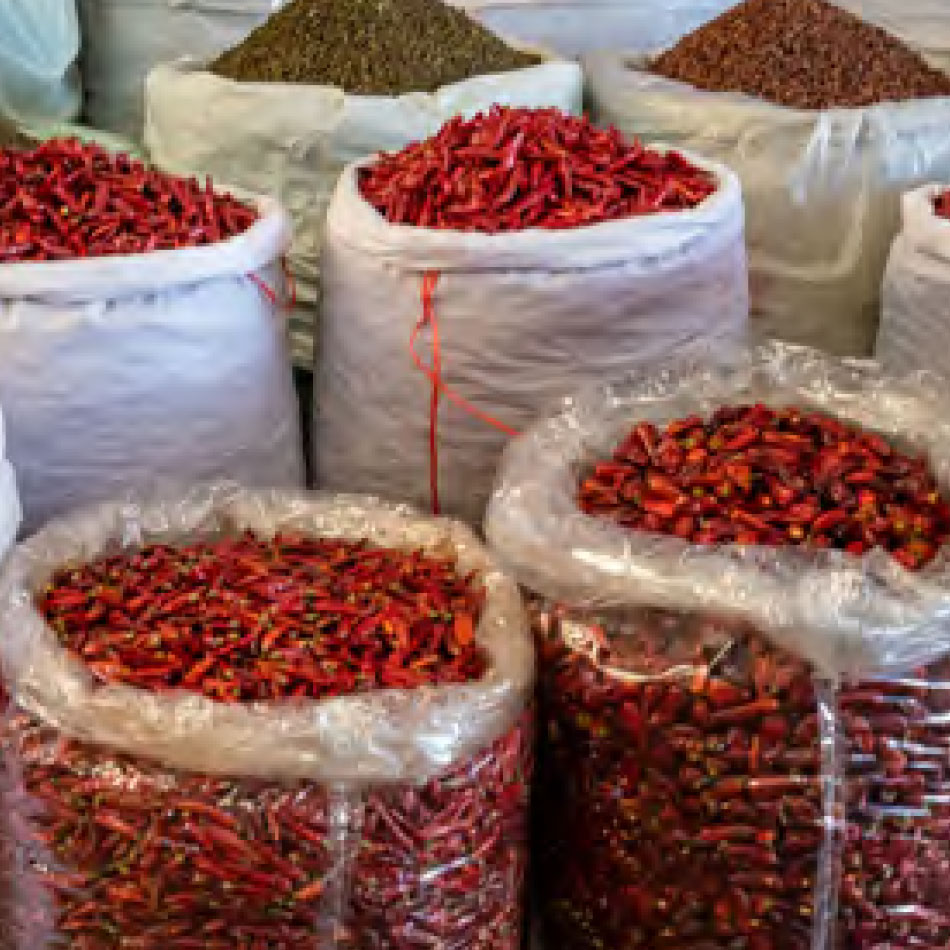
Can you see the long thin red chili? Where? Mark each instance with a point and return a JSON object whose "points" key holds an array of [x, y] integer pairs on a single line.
{"points": [[65, 199], [511, 169]]}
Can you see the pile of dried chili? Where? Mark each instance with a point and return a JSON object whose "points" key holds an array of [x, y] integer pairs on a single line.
{"points": [[942, 204], [682, 800], [709, 788], [756, 475], [512, 169], [119, 850], [65, 199]]}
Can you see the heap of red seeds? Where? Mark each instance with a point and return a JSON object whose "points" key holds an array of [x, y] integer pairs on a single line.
{"points": [[65, 200], [249, 619], [755, 475], [942, 204], [511, 169]]}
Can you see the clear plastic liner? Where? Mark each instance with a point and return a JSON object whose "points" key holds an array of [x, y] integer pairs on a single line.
{"points": [[742, 748], [386, 819]]}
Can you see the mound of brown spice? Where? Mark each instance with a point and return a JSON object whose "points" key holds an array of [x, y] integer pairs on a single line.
{"points": [[807, 54], [372, 47]]}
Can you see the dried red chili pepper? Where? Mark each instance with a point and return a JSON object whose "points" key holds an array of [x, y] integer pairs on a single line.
{"points": [[119, 851], [755, 475], [710, 831], [65, 199], [246, 619], [511, 169], [942, 204]]}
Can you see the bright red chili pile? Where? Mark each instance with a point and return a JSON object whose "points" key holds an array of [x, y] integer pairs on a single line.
{"points": [[755, 475], [511, 169], [942, 204], [248, 619], [65, 200]]}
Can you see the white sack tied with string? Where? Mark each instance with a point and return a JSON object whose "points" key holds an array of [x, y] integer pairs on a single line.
{"points": [[822, 189], [293, 140], [121, 372], [915, 314], [523, 319]]}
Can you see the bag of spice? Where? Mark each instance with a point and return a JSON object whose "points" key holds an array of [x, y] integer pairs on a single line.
{"points": [[742, 606], [10, 513], [124, 39], [263, 719], [915, 330], [323, 83], [469, 287], [825, 119], [140, 337]]}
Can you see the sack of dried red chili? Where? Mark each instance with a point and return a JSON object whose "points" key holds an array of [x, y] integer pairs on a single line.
{"points": [[822, 185], [742, 746], [140, 331], [262, 720], [915, 330], [441, 342]]}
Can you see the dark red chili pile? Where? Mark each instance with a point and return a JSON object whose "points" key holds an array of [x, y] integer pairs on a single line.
{"points": [[942, 204], [119, 851], [680, 804], [755, 475], [511, 169], [64, 199], [250, 619]]}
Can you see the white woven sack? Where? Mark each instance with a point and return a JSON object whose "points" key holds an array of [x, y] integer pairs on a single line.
{"points": [[821, 188], [9, 500], [118, 373], [915, 318], [124, 39], [294, 140], [39, 52], [523, 318]]}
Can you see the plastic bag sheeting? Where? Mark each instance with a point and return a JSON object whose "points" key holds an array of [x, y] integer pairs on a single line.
{"points": [[524, 319], [387, 736], [845, 615], [124, 39], [294, 140], [127, 371], [915, 322], [822, 190], [39, 49]]}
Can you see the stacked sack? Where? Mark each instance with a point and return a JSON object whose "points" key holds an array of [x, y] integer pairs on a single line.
{"points": [[825, 130], [741, 596], [325, 739], [140, 330], [474, 279], [323, 83], [915, 330]]}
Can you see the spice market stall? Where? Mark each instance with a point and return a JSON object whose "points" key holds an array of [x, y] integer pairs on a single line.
{"points": [[325, 739], [741, 599], [323, 83], [825, 119], [139, 333], [468, 287]]}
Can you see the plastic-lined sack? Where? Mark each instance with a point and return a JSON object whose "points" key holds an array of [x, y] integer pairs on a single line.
{"points": [[39, 49], [124, 39], [915, 324], [379, 819], [742, 746], [120, 372], [523, 318], [293, 141], [9, 499], [821, 188]]}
